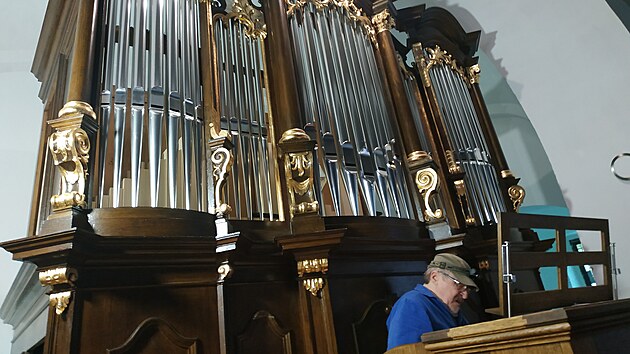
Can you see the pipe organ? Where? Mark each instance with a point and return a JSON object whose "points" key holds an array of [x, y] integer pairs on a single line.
{"points": [[153, 123], [247, 177]]}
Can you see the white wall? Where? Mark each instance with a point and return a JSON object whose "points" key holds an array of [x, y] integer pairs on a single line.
{"points": [[20, 118], [567, 61]]}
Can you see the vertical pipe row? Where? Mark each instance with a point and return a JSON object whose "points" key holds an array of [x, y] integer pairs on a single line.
{"points": [[151, 89], [343, 97], [244, 107], [468, 142]]}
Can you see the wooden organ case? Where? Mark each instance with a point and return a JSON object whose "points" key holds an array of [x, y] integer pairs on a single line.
{"points": [[238, 177]]}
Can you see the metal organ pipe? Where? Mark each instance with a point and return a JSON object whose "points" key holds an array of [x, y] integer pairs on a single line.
{"points": [[467, 140], [343, 100], [151, 89], [244, 110]]}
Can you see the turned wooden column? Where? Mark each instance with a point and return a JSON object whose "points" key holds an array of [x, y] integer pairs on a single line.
{"points": [[384, 21], [509, 183], [281, 69]]}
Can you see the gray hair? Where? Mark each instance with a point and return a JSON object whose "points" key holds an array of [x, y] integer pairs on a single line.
{"points": [[427, 273]]}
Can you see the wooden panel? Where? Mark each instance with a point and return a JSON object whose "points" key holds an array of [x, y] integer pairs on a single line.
{"points": [[370, 332], [155, 335], [280, 298], [592, 328], [190, 312], [264, 335]]}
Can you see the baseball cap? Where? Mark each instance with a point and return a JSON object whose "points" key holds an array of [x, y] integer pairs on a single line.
{"points": [[460, 269]]}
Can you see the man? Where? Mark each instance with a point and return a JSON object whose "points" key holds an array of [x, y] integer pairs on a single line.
{"points": [[433, 305]]}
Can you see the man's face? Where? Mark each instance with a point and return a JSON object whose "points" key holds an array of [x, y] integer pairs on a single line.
{"points": [[451, 291]]}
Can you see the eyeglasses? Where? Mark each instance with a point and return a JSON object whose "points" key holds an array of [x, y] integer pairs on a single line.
{"points": [[460, 287]]}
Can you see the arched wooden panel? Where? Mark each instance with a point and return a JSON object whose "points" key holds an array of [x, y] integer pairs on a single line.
{"points": [[264, 335], [370, 332], [154, 335]]}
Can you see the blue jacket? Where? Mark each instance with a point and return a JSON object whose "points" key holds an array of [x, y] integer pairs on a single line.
{"points": [[418, 311]]}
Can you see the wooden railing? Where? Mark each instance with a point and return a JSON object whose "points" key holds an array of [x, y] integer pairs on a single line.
{"points": [[558, 256]]}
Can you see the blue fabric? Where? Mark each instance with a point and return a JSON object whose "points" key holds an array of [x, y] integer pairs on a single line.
{"points": [[418, 311]]}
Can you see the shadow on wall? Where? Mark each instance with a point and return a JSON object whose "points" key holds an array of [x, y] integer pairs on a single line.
{"points": [[521, 145], [469, 23]]}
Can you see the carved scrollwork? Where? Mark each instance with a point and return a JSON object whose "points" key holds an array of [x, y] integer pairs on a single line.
{"points": [[437, 56], [427, 183], [57, 276], [69, 145], [221, 160], [70, 151], [517, 194]]}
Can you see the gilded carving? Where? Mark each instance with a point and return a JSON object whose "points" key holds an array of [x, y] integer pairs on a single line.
{"points": [[453, 167], [473, 74], [249, 16], [294, 6], [70, 150], [460, 189], [308, 266], [517, 194], [506, 174], [313, 285], [383, 21], [298, 169], [431, 57], [351, 10], [421, 64], [418, 156], [69, 145], [427, 183], [60, 301], [317, 265], [215, 130], [57, 276], [221, 160]]}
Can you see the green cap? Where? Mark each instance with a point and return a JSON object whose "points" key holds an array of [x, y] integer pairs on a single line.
{"points": [[460, 269]]}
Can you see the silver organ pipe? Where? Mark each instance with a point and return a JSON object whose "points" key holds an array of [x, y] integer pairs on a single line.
{"points": [[470, 149], [344, 103], [151, 122], [244, 106], [411, 91]]}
